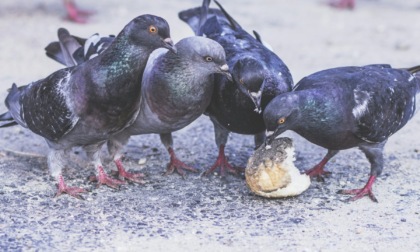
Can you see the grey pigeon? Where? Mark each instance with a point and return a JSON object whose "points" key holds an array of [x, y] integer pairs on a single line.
{"points": [[348, 107], [86, 104], [176, 89], [258, 76]]}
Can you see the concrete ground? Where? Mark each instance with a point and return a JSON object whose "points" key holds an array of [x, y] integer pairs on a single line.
{"points": [[208, 213]]}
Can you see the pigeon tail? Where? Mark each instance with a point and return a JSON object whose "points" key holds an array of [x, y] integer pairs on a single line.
{"points": [[72, 50], [68, 45], [414, 69], [415, 72], [203, 17], [235, 25], [259, 39], [64, 49], [12, 117], [6, 120], [53, 51]]}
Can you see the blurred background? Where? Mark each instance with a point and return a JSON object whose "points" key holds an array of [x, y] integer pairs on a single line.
{"points": [[210, 214], [309, 35]]}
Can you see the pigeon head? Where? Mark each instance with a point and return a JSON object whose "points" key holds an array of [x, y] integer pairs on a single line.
{"points": [[281, 114], [150, 31], [250, 77], [207, 55]]}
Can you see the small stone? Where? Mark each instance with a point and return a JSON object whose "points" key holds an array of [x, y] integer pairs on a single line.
{"points": [[142, 161]]}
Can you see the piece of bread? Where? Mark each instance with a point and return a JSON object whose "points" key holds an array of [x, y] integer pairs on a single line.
{"points": [[270, 171]]}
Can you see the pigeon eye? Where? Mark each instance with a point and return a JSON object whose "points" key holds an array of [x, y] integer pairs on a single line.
{"points": [[152, 29], [241, 81], [208, 59], [281, 120]]}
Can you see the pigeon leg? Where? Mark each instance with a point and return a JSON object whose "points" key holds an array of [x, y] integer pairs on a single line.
{"points": [[123, 174], [318, 170], [221, 135], [115, 145], [72, 191], [178, 165], [92, 152], [343, 4], [223, 163], [374, 153], [56, 163], [174, 163], [75, 14], [360, 193]]}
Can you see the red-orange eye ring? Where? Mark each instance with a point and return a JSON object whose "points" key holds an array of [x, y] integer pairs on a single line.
{"points": [[281, 120], [153, 29]]}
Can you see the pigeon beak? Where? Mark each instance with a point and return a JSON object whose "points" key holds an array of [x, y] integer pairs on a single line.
{"points": [[169, 44], [225, 71], [270, 136], [256, 98]]}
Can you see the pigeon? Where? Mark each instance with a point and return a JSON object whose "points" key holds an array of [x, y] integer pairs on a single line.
{"points": [[75, 14], [348, 107], [86, 104], [176, 89], [258, 76], [343, 4]]}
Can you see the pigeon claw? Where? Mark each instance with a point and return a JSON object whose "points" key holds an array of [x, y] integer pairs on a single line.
{"points": [[224, 165], [104, 179], [360, 193], [132, 177], [178, 165], [72, 191], [318, 171]]}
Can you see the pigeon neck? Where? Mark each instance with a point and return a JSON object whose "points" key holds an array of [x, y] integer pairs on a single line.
{"points": [[123, 58], [316, 113], [181, 82]]}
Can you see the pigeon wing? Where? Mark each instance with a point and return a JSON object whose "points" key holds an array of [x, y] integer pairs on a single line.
{"points": [[383, 103], [44, 106]]}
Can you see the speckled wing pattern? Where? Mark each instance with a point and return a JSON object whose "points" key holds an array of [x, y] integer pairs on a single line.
{"points": [[384, 102], [44, 106]]}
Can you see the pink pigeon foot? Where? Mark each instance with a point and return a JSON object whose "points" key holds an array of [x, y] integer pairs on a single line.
{"points": [[75, 14], [360, 193], [224, 164], [72, 191], [343, 4], [123, 174], [104, 179], [178, 165]]}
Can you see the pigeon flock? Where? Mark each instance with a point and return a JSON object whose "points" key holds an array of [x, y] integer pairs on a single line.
{"points": [[139, 82]]}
